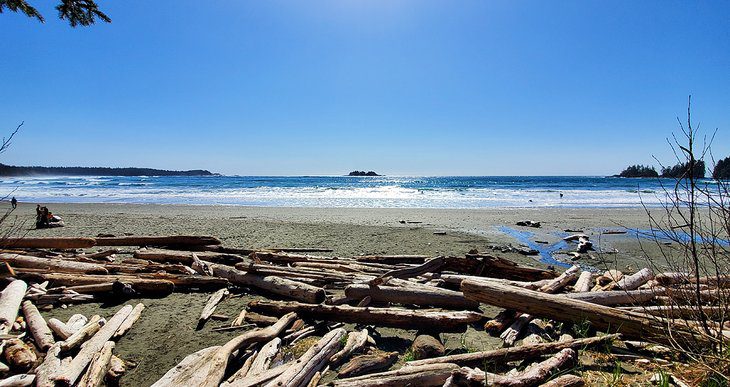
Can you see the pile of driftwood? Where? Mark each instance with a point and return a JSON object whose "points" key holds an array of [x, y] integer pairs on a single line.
{"points": [[311, 296]]}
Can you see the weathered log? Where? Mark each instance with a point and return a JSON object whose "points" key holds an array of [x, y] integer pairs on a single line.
{"points": [[117, 368], [511, 334], [98, 367], [199, 266], [76, 322], [500, 322], [206, 368], [258, 380], [37, 326], [280, 286], [498, 267], [175, 240], [186, 257], [159, 283], [455, 279], [568, 380], [101, 254], [617, 297], [356, 341], [262, 360], [59, 328], [679, 311], [424, 296], [565, 309], [583, 284], [425, 346], [392, 317], [635, 280], [561, 281], [210, 306], [392, 259], [18, 355], [83, 334], [10, 299], [365, 364], [422, 376], [49, 243], [74, 370], [537, 373], [259, 319], [431, 265], [515, 353], [51, 366], [129, 321], [20, 380], [56, 265], [300, 373]]}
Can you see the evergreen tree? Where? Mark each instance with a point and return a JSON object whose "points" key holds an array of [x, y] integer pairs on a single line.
{"points": [[681, 170], [77, 12], [639, 171], [722, 169]]}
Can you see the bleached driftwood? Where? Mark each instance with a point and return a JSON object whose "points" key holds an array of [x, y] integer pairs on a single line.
{"points": [[412, 295], [10, 300], [511, 334], [129, 321], [281, 286], [206, 368], [98, 367], [262, 360], [56, 265], [301, 372], [443, 321], [49, 243], [425, 375], [83, 334], [77, 366], [563, 279], [633, 281], [210, 305], [583, 284], [356, 341], [515, 353], [37, 326]]}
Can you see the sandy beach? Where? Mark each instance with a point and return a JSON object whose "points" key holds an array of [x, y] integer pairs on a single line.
{"points": [[166, 333]]}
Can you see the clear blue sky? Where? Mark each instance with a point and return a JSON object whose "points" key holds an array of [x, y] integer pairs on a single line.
{"points": [[399, 87]]}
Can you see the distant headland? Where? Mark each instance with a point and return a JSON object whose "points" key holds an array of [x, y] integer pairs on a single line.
{"points": [[363, 173], [12, 170]]}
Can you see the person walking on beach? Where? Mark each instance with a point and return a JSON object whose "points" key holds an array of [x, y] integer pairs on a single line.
{"points": [[14, 202]]}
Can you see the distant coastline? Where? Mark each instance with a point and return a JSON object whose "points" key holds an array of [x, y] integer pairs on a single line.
{"points": [[12, 170]]}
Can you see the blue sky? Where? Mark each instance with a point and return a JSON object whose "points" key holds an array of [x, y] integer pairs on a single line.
{"points": [[399, 87]]}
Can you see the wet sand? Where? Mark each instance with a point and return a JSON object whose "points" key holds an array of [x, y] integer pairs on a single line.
{"points": [[166, 332]]}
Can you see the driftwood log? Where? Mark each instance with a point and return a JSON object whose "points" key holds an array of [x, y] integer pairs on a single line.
{"points": [[176, 240], [424, 296], [562, 308], [206, 367], [276, 285], [303, 369], [422, 376], [10, 299], [49, 243], [438, 320], [37, 326], [52, 264], [515, 353]]}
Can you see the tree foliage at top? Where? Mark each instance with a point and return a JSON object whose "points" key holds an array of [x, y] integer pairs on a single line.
{"points": [[682, 170], [722, 169], [77, 12], [639, 171]]}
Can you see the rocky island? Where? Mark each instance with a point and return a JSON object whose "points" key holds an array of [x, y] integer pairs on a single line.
{"points": [[363, 173]]}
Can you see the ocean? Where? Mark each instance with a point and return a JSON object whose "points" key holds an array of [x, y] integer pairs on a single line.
{"points": [[343, 191]]}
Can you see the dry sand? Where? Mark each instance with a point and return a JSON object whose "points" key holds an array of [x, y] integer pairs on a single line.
{"points": [[166, 332]]}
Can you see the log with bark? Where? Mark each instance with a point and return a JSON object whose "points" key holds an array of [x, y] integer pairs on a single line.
{"points": [[206, 368], [175, 240], [186, 257], [412, 295], [49, 243], [438, 320], [515, 353], [18, 355], [561, 308]]}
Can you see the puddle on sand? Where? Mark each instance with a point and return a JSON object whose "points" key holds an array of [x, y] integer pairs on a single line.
{"points": [[546, 251]]}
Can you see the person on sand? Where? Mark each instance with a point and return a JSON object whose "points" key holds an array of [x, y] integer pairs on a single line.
{"points": [[14, 202]]}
